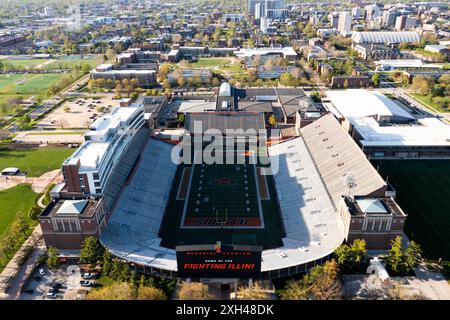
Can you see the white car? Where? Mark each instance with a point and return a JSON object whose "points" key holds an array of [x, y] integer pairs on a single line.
{"points": [[51, 295], [41, 272], [88, 275]]}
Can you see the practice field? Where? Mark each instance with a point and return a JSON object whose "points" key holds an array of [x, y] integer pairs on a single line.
{"points": [[221, 195], [423, 188], [68, 62], [29, 64], [26, 85], [35, 162], [211, 62]]}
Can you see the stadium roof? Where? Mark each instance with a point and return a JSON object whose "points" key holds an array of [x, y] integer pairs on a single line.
{"points": [[428, 132], [357, 103], [338, 158], [385, 37]]}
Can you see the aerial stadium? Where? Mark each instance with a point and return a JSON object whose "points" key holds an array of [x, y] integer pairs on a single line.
{"points": [[292, 199]]}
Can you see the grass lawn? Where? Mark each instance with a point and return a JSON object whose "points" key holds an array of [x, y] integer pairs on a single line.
{"points": [[15, 201], [71, 61], [34, 162], [422, 192], [28, 64], [27, 83], [428, 102], [210, 62]]}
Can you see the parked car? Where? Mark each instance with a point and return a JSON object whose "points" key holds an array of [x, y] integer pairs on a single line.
{"points": [[88, 275], [56, 285], [51, 295], [41, 271], [53, 290], [86, 283]]}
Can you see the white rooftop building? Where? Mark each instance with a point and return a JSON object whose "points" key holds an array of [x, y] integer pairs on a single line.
{"points": [[428, 132], [359, 103], [87, 170]]}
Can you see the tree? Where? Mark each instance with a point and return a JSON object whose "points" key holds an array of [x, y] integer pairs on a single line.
{"points": [[66, 109], [100, 109], [402, 260], [106, 265], [376, 79], [422, 84], [116, 291], [321, 283], [272, 120], [52, 257], [350, 256], [34, 212], [252, 75], [150, 293], [134, 95], [181, 82], [287, 79], [91, 250], [253, 292], [162, 72], [194, 291]]}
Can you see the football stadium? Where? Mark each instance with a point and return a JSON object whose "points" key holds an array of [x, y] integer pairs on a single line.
{"points": [[170, 208]]}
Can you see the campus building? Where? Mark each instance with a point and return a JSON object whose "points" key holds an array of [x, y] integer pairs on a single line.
{"points": [[316, 190], [384, 129], [87, 171], [146, 78], [382, 44]]}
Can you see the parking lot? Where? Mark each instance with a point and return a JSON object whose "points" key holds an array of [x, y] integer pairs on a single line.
{"points": [[66, 279], [77, 113]]}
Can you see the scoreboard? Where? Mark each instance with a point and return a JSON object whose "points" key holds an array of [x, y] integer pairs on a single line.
{"points": [[219, 261]]}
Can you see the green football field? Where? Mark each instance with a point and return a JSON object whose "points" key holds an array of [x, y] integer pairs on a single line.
{"points": [[423, 192], [223, 191]]}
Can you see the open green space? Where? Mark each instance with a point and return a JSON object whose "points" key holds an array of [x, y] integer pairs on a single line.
{"points": [[27, 83], [35, 162], [55, 133], [423, 188], [211, 62], [13, 202], [25, 86], [69, 62], [28, 64], [428, 101]]}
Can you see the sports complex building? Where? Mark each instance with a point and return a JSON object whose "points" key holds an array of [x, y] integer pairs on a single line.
{"points": [[278, 208]]}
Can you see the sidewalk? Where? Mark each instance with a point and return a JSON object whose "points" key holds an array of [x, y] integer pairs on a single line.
{"points": [[14, 276]]}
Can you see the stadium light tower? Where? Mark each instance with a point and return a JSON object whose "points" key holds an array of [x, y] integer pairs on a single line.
{"points": [[350, 183]]}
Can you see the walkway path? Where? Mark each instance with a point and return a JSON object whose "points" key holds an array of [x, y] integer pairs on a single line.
{"points": [[14, 276], [38, 184]]}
